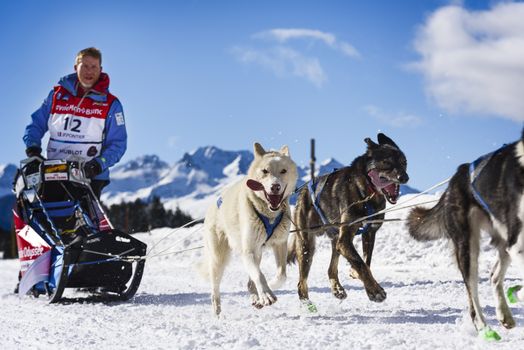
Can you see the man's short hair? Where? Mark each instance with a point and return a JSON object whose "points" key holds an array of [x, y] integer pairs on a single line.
{"points": [[90, 51]]}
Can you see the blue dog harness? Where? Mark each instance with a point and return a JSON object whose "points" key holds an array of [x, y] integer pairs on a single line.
{"points": [[475, 168], [315, 189], [270, 227]]}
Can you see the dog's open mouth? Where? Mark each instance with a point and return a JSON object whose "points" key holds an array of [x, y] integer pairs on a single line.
{"points": [[274, 200], [391, 192], [390, 188]]}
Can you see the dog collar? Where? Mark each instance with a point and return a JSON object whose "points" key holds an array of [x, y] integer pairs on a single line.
{"points": [[370, 187]]}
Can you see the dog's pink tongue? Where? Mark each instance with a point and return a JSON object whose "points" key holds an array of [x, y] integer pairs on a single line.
{"points": [[275, 199], [255, 185], [377, 181]]}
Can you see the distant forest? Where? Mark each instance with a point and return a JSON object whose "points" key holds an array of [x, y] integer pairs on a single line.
{"points": [[139, 216]]}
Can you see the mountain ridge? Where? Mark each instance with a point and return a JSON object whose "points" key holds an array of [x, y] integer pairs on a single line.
{"points": [[192, 183]]}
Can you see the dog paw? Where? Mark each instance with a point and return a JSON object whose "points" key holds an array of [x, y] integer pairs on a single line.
{"points": [[257, 304], [339, 293], [308, 306], [216, 306], [265, 299], [507, 321], [376, 294]]}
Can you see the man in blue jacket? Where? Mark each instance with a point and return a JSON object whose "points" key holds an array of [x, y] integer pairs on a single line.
{"points": [[83, 119]]}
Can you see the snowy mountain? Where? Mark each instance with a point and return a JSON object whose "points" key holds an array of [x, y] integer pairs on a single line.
{"points": [[192, 183], [7, 174]]}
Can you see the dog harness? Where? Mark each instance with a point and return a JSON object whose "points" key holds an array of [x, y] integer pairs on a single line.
{"points": [[270, 227], [475, 168], [315, 189]]}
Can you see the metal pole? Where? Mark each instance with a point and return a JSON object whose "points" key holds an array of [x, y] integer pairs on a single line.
{"points": [[312, 160]]}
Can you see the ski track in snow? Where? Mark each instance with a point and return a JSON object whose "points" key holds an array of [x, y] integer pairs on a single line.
{"points": [[426, 305]]}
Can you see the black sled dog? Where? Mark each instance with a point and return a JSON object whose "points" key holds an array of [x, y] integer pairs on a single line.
{"points": [[486, 195], [344, 196]]}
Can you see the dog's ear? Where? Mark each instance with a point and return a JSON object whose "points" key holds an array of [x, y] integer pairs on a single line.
{"points": [[259, 150], [370, 143], [384, 140], [284, 150]]}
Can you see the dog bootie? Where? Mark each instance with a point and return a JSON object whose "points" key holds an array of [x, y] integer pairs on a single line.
{"points": [[489, 334], [309, 306], [513, 294]]}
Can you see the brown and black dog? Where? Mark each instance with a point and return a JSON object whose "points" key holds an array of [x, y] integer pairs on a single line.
{"points": [[344, 196]]}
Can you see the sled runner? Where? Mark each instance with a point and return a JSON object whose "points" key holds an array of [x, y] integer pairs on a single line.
{"points": [[65, 239]]}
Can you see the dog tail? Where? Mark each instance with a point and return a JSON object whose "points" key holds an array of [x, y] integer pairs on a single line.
{"points": [[427, 224]]}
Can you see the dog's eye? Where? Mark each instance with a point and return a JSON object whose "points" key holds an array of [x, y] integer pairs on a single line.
{"points": [[264, 171], [387, 164], [283, 171]]}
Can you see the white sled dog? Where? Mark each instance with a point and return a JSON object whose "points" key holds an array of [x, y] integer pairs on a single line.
{"points": [[252, 214]]}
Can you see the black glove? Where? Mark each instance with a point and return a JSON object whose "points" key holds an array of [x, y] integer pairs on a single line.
{"points": [[34, 151], [92, 168]]}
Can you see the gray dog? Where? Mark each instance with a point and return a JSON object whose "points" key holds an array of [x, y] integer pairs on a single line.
{"points": [[487, 195], [343, 196]]}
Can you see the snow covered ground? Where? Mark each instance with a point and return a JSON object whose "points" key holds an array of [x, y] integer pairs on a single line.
{"points": [[426, 306]]}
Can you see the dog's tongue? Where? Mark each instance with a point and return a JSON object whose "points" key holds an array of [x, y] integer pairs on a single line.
{"points": [[255, 185], [379, 182], [274, 200]]}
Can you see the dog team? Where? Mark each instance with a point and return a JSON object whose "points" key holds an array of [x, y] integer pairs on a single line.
{"points": [[254, 213]]}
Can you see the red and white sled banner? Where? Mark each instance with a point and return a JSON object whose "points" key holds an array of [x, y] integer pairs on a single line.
{"points": [[30, 244], [19, 223]]}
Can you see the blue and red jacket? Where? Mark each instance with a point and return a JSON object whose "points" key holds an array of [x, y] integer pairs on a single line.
{"points": [[88, 126]]}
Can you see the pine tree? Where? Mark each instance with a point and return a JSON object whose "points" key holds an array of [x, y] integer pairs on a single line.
{"points": [[157, 213], [139, 216]]}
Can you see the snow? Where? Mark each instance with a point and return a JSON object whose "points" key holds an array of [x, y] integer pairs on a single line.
{"points": [[426, 306]]}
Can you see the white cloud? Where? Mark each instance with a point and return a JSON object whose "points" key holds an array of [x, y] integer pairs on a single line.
{"points": [[283, 60], [473, 61], [283, 35], [397, 120]]}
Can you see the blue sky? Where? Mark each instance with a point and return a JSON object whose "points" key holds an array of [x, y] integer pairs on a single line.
{"points": [[442, 78]]}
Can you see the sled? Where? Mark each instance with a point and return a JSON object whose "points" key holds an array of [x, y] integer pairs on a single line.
{"points": [[65, 239]]}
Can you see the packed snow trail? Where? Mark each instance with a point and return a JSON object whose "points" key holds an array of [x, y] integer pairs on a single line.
{"points": [[426, 305]]}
